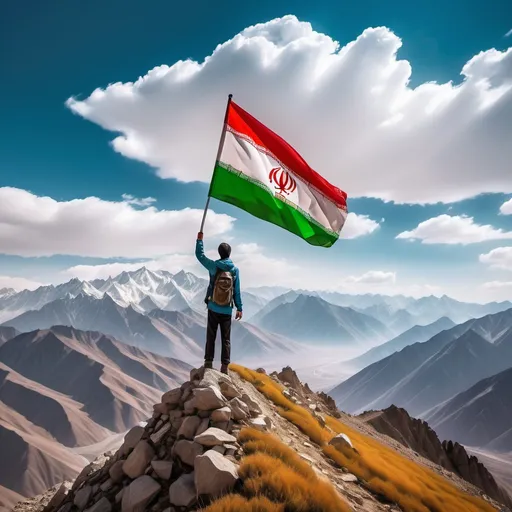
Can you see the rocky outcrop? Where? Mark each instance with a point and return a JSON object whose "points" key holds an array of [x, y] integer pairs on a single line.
{"points": [[187, 454], [416, 434]]}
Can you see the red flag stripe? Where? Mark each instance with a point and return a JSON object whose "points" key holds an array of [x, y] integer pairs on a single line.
{"points": [[242, 122]]}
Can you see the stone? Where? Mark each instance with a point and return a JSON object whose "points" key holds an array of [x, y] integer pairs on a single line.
{"points": [[349, 477], [82, 497], [103, 505], [188, 427], [88, 471], [261, 370], [213, 437], [138, 460], [139, 493], [196, 374], [119, 496], [228, 390], [116, 472], [66, 507], [157, 437], [206, 399], [312, 407], [132, 437], [162, 468], [307, 457], [188, 407], [239, 409], [222, 414], [203, 414], [172, 397], [187, 451], [341, 441], [107, 485], [203, 426], [254, 407], [220, 449], [214, 474], [223, 425], [164, 417], [307, 445], [175, 414], [259, 423], [182, 493], [159, 409], [59, 496]]}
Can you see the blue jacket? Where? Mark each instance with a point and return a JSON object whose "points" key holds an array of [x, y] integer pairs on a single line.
{"points": [[225, 265]]}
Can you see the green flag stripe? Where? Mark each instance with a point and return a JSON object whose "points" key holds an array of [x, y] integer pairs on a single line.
{"points": [[233, 187]]}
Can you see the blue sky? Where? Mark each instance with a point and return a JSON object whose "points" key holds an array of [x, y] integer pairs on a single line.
{"points": [[51, 51]]}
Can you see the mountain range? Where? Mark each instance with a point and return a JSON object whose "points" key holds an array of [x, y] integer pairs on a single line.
{"points": [[63, 389], [422, 375]]}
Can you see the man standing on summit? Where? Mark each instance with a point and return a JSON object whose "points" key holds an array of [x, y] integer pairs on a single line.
{"points": [[223, 292]]}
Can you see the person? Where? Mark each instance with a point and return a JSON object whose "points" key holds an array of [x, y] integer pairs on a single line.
{"points": [[223, 291]]}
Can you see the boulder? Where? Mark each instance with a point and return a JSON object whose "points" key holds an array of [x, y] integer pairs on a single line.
{"points": [[162, 468], [229, 390], [206, 399], [138, 460], [203, 426], [254, 407], [219, 449], [188, 407], [213, 437], [82, 497], [261, 423], [214, 474], [59, 496], [132, 437], [182, 493], [103, 505], [221, 415], [349, 477], [341, 441], [159, 409], [116, 472], [139, 493], [175, 414], [187, 451], [188, 427], [239, 409], [172, 397], [157, 436]]}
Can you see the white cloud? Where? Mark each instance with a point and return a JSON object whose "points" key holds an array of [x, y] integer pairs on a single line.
{"points": [[144, 201], [41, 226], [501, 257], [493, 285], [18, 283], [350, 111], [358, 225], [457, 229], [375, 277], [506, 208]]}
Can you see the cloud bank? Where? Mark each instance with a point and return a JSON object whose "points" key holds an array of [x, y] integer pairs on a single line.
{"points": [[349, 110]]}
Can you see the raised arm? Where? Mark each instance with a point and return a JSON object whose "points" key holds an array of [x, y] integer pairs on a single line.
{"points": [[206, 262]]}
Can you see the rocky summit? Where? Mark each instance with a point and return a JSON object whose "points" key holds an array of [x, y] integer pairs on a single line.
{"points": [[186, 455]]}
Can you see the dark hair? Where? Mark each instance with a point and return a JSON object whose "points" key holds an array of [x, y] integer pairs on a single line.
{"points": [[224, 250]]}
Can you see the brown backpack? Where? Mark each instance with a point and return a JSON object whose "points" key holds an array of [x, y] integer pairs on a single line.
{"points": [[223, 289]]}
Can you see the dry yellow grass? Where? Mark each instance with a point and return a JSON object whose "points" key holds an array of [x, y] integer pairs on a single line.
{"points": [[414, 487], [275, 478]]}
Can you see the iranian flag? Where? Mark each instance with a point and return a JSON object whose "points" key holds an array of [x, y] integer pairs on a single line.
{"points": [[262, 174]]}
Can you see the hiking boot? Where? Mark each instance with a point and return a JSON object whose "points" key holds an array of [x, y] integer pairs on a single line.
{"points": [[208, 365], [224, 369]]}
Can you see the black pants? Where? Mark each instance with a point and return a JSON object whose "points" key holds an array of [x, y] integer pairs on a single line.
{"points": [[214, 321]]}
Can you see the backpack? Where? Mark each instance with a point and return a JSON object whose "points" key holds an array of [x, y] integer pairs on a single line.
{"points": [[222, 289]]}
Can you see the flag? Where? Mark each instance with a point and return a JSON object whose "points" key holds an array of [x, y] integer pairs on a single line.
{"points": [[262, 174]]}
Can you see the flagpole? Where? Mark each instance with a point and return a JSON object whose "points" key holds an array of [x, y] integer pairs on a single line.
{"points": [[219, 151]]}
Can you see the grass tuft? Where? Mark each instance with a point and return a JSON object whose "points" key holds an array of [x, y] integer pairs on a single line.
{"points": [[412, 486]]}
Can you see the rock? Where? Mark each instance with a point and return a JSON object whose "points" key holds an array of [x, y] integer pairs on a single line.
{"points": [[229, 390], [107, 485], [239, 409], [188, 407], [203, 426], [162, 468], [320, 419], [138, 460], [307, 445], [139, 493], [214, 474], [103, 505], [132, 437], [182, 492], [116, 472], [261, 370], [88, 470], [254, 407], [157, 437], [119, 496], [172, 397], [341, 441], [59, 496], [159, 409], [187, 451], [349, 477], [307, 457], [213, 437], [206, 399], [312, 407], [188, 427], [259, 423], [223, 425], [221, 415], [175, 414], [220, 449], [203, 414], [66, 507], [196, 374], [82, 497]]}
